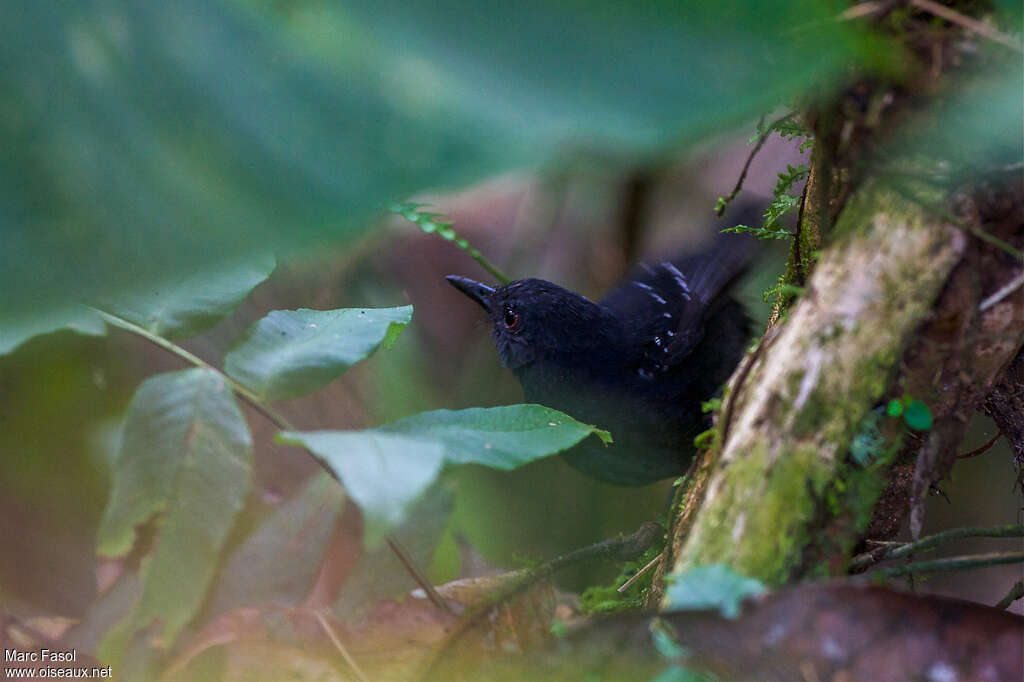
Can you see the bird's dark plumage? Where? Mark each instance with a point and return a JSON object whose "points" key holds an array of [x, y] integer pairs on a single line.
{"points": [[637, 363]]}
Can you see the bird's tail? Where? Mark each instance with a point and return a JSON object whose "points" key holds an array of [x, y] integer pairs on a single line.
{"points": [[714, 270]]}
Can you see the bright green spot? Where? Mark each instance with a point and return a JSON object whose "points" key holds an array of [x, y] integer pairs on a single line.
{"points": [[704, 440], [712, 405], [918, 416], [895, 408]]}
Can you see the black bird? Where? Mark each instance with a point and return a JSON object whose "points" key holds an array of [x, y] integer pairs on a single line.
{"points": [[638, 363]]}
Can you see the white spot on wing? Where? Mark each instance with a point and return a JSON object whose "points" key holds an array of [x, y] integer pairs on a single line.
{"points": [[680, 280]]}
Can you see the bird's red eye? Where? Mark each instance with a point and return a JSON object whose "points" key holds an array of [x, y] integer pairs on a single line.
{"points": [[511, 318]]}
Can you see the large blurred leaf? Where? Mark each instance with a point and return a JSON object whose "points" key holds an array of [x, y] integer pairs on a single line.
{"points": [[182, 307], [290, 353], [382, 473], [75, 317], [186, 452], [387, 468], [278, 562], [977, 124], [148, 140]]}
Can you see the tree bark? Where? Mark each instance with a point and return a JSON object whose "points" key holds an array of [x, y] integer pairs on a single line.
{"points": [[804, 450]]}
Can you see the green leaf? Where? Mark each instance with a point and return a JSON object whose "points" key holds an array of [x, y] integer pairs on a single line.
{"points": [[385, 469], [894, 408], [760, 232], [182, 307], [918, 416], [75, 317], [970, 131], [167, 154], [279, 561], [498, 437], [793, 175], [712, 405], [185, 452], [383, 473], [712, 587], [290, 353], [780, 206]]}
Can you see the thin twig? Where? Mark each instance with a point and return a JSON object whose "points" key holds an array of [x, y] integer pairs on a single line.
{"points": [[762, 138], [907, 193], [1003, 292], [982, 449], [241, 390], [741, 373], [622, 548], [417, 575], [341, 647], [994, 241], [930, 542], [636, 576], [966, 22], [1015, 593], [861, 9], [951, 564], [254, 401]]}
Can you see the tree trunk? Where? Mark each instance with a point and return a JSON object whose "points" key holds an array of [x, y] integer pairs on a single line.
{"points": [[804, 449]]}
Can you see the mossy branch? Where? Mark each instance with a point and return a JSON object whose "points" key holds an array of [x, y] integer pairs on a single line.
{"points": [[779, 477], [897, 551], [951, 564]]}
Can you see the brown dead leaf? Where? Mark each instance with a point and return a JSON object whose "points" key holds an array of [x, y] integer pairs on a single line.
{"points": [[396, 640]]}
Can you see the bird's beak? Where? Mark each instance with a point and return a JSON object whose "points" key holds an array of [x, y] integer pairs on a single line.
{"points": [[481, 293]]}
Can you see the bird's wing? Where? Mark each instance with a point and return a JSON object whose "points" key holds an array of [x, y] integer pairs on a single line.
{"points": [[668, 301]]}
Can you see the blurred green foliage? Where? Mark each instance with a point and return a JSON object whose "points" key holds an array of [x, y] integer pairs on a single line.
{"points": [[145, 141], [148, 143]]}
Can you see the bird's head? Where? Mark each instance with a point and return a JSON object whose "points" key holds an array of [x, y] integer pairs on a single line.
{"points": [[534, 320]]}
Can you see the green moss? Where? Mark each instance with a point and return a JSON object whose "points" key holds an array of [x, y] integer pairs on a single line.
{"points": [[771, 543], [607, 599], [813, 414]]}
